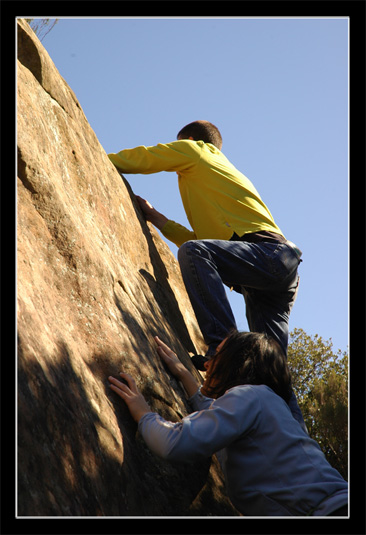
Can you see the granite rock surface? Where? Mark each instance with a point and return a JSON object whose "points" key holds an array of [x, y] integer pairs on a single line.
{"points": [[95, 284]]}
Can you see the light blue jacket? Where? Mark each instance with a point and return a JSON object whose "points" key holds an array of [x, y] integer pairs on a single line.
{"points": [[272, 467]]}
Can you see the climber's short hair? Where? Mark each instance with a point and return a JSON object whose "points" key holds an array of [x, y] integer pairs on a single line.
{"points": [[202, 131], [249, 358]]}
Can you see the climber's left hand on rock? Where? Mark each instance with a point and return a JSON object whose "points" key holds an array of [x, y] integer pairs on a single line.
{"points": [[135, 401], [156, 218], [170, 358]]}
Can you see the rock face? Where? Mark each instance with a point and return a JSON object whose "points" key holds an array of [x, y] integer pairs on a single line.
{"points": [[95, 284]]}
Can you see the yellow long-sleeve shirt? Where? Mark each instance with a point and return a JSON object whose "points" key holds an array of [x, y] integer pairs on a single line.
{"points": [[217, 198]]}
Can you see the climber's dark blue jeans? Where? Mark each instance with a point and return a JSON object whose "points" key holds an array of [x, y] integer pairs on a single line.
{"points": [[265, 273]]}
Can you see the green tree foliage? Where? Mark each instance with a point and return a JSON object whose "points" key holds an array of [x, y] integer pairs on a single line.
{"points": [[42, 27], [320, 381]]}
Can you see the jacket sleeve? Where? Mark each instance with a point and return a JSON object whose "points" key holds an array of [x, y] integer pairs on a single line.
{"points": [[177, 233], [199, 402], [201, 434], [175, 156]]}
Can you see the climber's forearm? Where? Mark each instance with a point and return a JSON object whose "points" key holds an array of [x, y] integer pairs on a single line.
{"points": [[190, 384], [157, 219], [177, 233], [151, 214], [176, 367], [128, 391]]}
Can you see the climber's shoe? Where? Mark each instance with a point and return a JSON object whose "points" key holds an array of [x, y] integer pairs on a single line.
{"points": [[198, 362]]}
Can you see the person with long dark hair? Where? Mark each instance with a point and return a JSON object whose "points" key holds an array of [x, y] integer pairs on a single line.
{"points": [[241, 413]]}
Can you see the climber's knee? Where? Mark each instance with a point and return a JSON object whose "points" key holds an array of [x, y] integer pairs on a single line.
{"points": [[185, 251]]}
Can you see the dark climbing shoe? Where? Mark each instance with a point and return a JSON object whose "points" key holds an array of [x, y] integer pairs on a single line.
{"points": [[198, 362]]}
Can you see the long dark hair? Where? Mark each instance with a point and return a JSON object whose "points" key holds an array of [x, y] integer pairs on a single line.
{"points": [[248, 358]]}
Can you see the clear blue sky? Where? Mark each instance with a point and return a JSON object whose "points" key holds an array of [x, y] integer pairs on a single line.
{"points": [[277, 88]]}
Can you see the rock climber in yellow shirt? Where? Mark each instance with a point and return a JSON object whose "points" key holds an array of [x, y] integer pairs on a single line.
{"points": [[234, 240]]}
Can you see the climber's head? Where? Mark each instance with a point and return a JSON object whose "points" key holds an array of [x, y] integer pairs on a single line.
{"points": [[248, 358], [201, 131]]}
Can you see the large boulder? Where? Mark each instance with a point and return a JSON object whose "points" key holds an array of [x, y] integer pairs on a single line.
{"points": [[95, 283]]}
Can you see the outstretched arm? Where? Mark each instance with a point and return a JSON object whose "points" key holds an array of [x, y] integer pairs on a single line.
{"points": [[176, 367]]}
